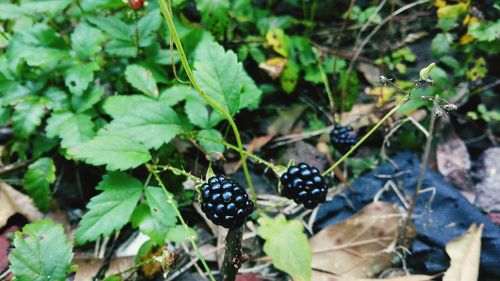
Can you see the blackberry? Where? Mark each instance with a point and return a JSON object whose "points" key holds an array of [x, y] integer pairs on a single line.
{"points": [[343, 138], [304, 185], [225, 202]]}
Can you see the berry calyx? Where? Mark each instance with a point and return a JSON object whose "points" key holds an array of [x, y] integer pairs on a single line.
{"points": [[343, 138], [225, 202], [304, 185], [136, 4]]}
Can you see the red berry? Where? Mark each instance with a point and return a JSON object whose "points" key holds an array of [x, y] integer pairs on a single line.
{"points": [[136, 4]]}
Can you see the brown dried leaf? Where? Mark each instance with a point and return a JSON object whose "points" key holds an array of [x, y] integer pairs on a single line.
{"points": [[465, 252], [88, 267], [321, 276], [361, 115], [13, 201], [361, 246], [273, 66], [453, 161]]}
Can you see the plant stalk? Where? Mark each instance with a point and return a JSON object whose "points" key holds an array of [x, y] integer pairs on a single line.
{"points": [[170, 200], [421, 174], [175, 36], [233, 258]]}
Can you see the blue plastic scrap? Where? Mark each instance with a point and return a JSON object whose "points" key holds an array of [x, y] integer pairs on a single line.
{"points": [[439, 217]]}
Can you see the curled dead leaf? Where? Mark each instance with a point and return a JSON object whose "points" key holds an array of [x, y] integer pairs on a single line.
{"points": [[465, 253], [361, 246], [273, 66], [453, 161], [13, 201]]}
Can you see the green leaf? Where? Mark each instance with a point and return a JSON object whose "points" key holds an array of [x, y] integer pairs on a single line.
{"points": [[157, 217], [11, 11], [79, 76], [115, 151], [114, 27], [175, 94], [73, 129], [150, 123], [488, 32], [86, 40], [219, 74], [121, 48], [179, 234], [214, 15], [110, 210], [37, 181], [287, 246], [197, 113], [41, 253], [118, 106], [46, 6], [289, 77], [142, 79], [251, 94], [27, 117], [206, 139], [88, 99], [441, 45], [149, 23]]}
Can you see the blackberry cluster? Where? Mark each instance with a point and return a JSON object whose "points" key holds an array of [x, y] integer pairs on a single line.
{"points": [[225, 202], [304, 185], [343, 138]]}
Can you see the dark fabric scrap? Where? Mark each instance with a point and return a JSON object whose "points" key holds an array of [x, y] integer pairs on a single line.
{"points": [[438, 220]]}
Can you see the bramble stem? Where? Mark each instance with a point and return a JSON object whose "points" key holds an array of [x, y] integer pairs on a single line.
{"points": [[170, 200], [173, 31], [367, 135], [421, 174], [233, 258]]}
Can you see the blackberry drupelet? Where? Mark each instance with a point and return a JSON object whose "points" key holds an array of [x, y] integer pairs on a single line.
{"points": [[225, 202], [304, 185], [343, 138]]}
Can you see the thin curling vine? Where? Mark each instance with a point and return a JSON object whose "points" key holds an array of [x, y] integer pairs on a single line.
{"points": [[165, 9]]}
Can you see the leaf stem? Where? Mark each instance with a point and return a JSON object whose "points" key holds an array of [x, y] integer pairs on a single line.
{"points": [[173, 31], [191, 239]]}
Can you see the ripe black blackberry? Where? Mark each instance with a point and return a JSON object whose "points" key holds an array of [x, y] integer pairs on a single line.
{"points": [[343, 138], [225, 202], [304, 185]]}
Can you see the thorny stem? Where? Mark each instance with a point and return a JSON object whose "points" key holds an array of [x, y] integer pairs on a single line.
{"points": [[233, 258], [170, 200], [421, 174], [327, 85], [173, 31], [179, 172]]}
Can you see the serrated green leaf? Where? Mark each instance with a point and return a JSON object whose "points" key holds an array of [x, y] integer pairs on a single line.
{"points": [[175, 94], [219, 75], [250, 97], [11, 11], [142, 79], [44, 6], [73, 129], [287, 246], [114, 27], [121, 48], [37, 181], [208, 140], [110, 210], [197, 113], [115, 151], [157, 217], [58, 99], [27, 117], [79, 76], [88, 99], [41, 253], [150, 123], [149, 23], [118, 106], [86, 40]]}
